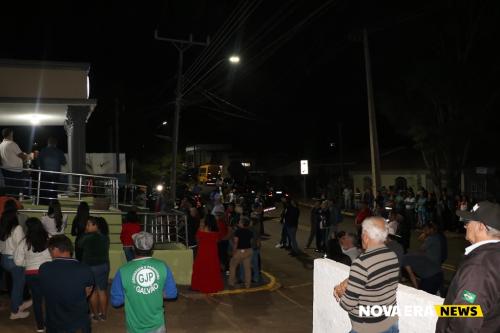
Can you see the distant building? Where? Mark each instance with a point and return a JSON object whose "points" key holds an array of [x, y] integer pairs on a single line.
{"points": [[401, 167]]}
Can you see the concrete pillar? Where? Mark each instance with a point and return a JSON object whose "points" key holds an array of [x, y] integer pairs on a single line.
{"points": [[76, 117]]}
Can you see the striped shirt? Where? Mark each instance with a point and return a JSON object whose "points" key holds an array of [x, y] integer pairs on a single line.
{"points": [[373, 280]]}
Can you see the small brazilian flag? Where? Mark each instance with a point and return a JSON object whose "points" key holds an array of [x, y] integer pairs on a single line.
{"points": [[469, 297]]}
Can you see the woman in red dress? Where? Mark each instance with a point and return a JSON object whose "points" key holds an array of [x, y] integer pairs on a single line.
{"points": [[206, 275]]}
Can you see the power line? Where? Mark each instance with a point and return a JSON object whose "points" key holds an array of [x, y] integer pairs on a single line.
{"points": [[272, 47], [218, 35], [194, 70], [227, 113], [280, 15], [266, 52], [227, 102]]}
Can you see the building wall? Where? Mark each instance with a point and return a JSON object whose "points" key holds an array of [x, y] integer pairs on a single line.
{"points": [[329, 317], [413, 179], [101, 164], [23, 82]]}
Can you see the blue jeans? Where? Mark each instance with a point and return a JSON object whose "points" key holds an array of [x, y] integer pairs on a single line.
{"points": [[292, 233], [393, 329], [129, 253], [255, 267], [33, 282], [18, 280]]}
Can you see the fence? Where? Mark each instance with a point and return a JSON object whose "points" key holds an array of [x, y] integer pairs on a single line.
{"points": [[40, 186], [165, 227], [134, 194]]}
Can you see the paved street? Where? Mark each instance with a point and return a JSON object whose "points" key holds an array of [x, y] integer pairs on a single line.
{"points": [[287, 309]]}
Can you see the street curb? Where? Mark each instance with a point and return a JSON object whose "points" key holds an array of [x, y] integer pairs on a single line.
{"points": [[271, 286], [345, 213]]}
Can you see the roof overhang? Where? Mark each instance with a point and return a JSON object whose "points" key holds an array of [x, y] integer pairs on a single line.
{"points": [[30, 112], [40, 92]]}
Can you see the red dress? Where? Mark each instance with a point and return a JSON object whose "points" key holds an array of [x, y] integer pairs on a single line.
{"points": [[206, 276]]}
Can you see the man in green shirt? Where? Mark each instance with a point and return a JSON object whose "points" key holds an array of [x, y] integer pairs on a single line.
{"points": [[141, 285]]}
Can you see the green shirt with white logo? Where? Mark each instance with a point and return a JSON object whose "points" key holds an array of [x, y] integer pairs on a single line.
{"points": [[142, 284]]}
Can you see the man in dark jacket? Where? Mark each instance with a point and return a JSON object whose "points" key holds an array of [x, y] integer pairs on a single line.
{"points": [[476, 281], [291, 220], [314, 222], [50, 158]]}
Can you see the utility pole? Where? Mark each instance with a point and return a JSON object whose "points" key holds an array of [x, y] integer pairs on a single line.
{"points": [[181, 46], [341, 153], [374, 152], [117, 136]]}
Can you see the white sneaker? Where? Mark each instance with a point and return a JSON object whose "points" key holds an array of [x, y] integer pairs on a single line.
{"points": [[25, 305], [19, 315]]}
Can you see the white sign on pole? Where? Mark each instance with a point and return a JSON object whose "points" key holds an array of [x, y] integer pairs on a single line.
{"points": [[304, 167]]}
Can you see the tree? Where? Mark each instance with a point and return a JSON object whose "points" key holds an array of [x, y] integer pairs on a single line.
{"points": [[157, 169], [443, 101]]}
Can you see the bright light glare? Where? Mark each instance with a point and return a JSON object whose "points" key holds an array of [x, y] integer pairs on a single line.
{"points": [[35, 119], [159, 187], [88, 87], [234, 59], [164, 123]]}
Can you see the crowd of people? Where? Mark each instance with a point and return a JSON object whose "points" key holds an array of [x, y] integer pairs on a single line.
{"points": [[66, 282], [225, 238], [376, 271], [383, 225], [419, 207], [402, 213]]}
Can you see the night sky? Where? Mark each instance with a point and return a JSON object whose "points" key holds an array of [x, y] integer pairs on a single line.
{"points": [[301, 72]]}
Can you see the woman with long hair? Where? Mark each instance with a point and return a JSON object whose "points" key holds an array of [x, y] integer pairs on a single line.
{"points": [[79, 225], [206, 276], [54, 222], [31, 253], [11, 235], [102, 226]]}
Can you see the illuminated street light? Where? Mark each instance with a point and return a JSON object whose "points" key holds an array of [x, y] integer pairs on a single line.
{"points": [[159, 187], [234, 59], [164, 123]]}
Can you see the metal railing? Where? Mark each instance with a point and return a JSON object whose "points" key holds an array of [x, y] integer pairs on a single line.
{"points": [[40, 186], [134, 194], [166, 228]]}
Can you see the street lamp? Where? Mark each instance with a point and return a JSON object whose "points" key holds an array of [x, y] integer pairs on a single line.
{"points": [[234, 59]]}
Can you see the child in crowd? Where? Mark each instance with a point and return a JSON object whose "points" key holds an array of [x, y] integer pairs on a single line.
{"points": [[130, 226]]}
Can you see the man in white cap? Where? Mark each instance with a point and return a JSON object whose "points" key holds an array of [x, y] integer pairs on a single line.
{"points": [[476, 281], [141, 285]]}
